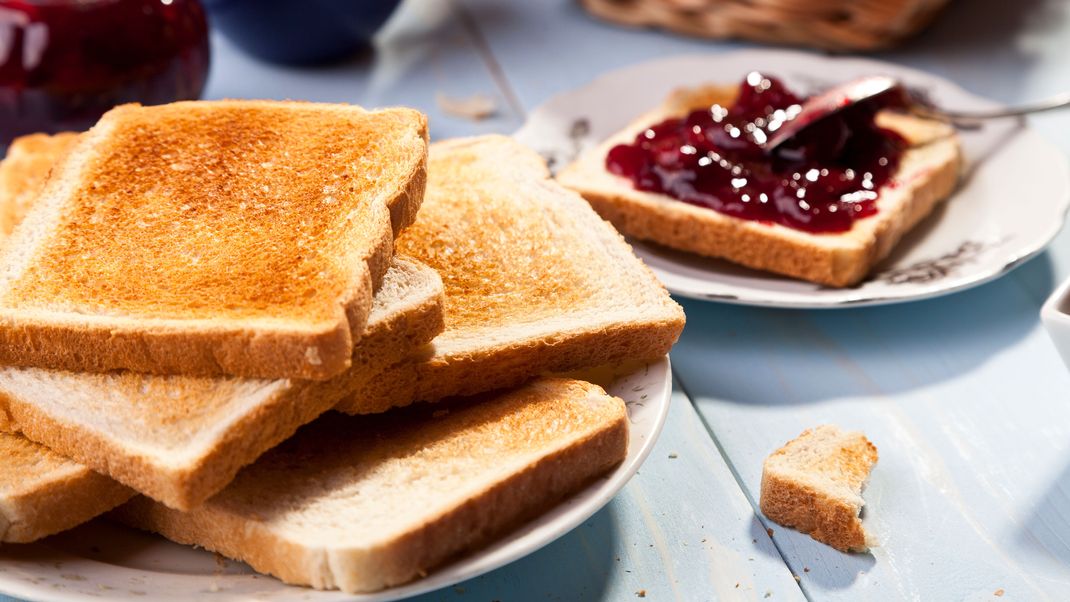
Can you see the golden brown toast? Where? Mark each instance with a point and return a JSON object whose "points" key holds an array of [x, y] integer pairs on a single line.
{"points": [[227, 237], [535, 281], [927, 175], [363, 503]]}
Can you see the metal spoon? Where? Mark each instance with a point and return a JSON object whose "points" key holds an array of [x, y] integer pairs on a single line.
{"points": [[840, 97], [828, 102]]}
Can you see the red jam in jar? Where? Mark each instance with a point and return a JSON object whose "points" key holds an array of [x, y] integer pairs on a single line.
{"points": [[823, 180], [63, 63]]}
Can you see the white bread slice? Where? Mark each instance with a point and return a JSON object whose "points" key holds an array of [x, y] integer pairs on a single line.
{"points": [[535, 281], [207, 238], [814, 484], [180, 439], [364, 503], [42, 493], [23, 172], [927, 175]]}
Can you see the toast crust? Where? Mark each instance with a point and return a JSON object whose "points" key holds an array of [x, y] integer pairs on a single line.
{"points": [[535, 281], [928, 174], [814, 484], [121, 264], [239, 418], [259, 519], [42, 493]]}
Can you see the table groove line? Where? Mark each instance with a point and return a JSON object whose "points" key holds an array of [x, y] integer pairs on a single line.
{"points": [[739, 481]]}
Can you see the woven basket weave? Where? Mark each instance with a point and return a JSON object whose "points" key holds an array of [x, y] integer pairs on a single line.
{"points": [[830, 24]]}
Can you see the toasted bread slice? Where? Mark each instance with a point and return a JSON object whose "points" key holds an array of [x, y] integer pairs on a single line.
{"points": [[927, 175], [207, 238], [23, 173], [535, 281], [364, 503], [42, 493], [814, 484], [179, 439]]}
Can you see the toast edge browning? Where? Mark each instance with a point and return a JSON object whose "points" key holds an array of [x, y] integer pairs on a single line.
{"points": [[695, 230], [203, 347], [430, 379], [504, 505], [64, 503], [244, 440]]}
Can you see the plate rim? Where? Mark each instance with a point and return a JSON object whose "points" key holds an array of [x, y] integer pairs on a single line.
{"points": [[1021, 255], [598, 494]]}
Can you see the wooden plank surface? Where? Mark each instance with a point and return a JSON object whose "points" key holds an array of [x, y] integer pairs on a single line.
{"points": [[426, 50]]}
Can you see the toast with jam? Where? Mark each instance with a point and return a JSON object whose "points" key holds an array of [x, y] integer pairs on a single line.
{"points": [[825, 207]]}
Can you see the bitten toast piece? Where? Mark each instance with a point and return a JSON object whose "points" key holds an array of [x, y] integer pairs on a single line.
{"points": [[535, 281], [927, 175], [814, 484], [364, 503], [42, 493], [208, 238]]}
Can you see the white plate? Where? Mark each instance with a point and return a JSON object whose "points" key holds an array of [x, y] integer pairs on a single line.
{"points": [[1011, 203], [101, 560]]}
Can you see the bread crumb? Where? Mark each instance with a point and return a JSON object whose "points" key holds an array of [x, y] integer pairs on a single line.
{"points": [[998, 593], [476, 107], [806, 569], [641, 593], [769, 532]]}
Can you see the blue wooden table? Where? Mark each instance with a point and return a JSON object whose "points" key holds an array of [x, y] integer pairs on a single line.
{"points": [[964, 396]]}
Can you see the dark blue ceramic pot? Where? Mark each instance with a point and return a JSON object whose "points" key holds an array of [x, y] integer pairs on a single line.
{"points": [[300, 31]]}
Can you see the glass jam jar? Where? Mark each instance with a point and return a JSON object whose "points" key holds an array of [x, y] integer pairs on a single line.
{"points": [[63, 63]]}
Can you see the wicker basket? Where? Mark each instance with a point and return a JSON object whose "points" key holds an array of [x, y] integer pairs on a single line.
{"points": [[830, 24]]}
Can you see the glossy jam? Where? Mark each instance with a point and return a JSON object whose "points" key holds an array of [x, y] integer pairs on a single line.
{"points": [[63, 63], [822, 181]]}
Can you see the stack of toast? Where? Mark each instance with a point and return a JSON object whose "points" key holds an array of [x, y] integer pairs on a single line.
{"points": [[213, 313]]}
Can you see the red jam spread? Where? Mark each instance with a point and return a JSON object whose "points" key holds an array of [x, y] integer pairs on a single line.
{"points": [[822, 180]]}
